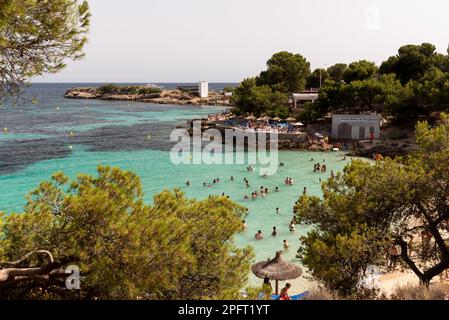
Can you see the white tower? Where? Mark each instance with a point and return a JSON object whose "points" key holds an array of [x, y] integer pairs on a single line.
{"points": [[203, 89]]}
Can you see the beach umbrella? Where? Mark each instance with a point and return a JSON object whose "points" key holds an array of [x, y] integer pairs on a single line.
{"points": [[298, 124], [251, 118], [277, 119], [291, 119], [276, 269], [265, 118]]}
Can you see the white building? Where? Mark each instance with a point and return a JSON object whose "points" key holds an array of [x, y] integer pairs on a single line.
{"points": [[303, 97], [203, 89], [355, 127]]}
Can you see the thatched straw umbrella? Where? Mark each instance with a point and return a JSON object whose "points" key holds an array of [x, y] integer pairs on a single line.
{"points": [[277, 119], [276, 269], [251, 118], [291, 119]]}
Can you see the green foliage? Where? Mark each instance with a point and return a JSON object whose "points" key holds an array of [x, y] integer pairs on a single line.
{"points": [[413, 61], [317, 78], [360, 70], [360, 93], [37, 37], [336, 71], [118, 89], [370, 207], [257, 100], [177, 248], [309, 113], [286, 72]]}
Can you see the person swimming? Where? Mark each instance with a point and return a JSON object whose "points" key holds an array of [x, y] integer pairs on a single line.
{"points": [[187, 183], [281, 164], [292, 226], [258, 235], [204, 184], [274, 233], [277, 211], [246, 197], [232, 178], [277, 189]]}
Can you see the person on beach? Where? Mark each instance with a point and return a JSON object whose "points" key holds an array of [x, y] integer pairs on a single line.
{"points": [[284, 292], [274, 233], [266, 286], [286, 245], [259, 235], [393, 256]]}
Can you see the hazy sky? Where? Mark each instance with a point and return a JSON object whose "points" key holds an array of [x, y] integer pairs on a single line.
{"points": [[228, 40]]}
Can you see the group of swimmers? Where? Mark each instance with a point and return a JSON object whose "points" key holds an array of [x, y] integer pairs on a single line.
{"points": [[259, 234], [263, 191], [317, 167]]}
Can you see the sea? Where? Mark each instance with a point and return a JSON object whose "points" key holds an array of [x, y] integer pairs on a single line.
{"points": [[51, 133]]}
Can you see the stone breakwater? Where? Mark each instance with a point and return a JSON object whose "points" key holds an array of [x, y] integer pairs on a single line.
{"points": [[176, 97]]}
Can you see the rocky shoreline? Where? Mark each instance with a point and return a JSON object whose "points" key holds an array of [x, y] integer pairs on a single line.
{"points": [[165, 96]]}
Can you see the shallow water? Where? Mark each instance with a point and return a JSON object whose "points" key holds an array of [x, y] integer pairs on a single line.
{"points": [[38, 140]]}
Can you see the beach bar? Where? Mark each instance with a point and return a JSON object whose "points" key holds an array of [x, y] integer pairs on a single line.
{"points": [[355, 126]]}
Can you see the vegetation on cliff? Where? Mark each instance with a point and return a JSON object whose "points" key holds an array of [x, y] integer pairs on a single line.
{"points": [[369, 208], [178, 248]]}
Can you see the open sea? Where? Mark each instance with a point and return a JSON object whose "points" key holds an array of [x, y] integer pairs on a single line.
{"points": [[37, 142]]}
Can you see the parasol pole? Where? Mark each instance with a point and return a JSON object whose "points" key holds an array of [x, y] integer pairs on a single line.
{"points": [[277, 287]]}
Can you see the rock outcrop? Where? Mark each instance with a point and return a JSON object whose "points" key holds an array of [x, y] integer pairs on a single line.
{"points": [[176, 97]]}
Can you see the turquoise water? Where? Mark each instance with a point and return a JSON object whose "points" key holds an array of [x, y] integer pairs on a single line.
{"points": [[106, 133]]}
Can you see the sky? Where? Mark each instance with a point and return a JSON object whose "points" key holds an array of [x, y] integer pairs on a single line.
{"points": [[229, 40]]}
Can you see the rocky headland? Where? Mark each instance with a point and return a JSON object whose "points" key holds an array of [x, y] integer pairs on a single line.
{"points": [[148, 95]]}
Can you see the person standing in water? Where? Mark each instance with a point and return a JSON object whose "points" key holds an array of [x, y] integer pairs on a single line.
{"points": [[258, 235], [286, 245], [277, 211], [274, 233]]}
